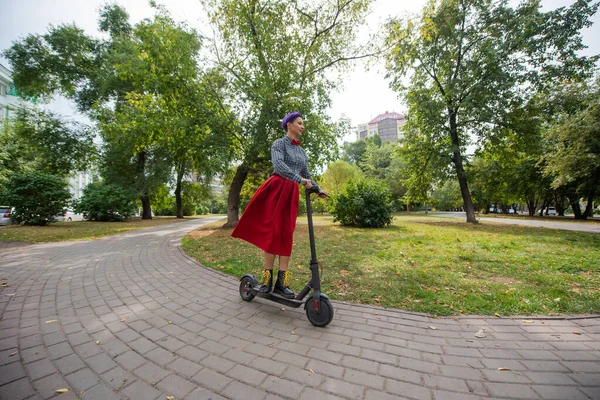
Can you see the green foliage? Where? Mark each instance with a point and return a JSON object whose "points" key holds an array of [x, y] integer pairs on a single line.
{"points": [[338, 175], [102, 202], [573, 154], [447, 196], [36, 197], [193, 195], [475, 63], [280, 57], [364, 204]]}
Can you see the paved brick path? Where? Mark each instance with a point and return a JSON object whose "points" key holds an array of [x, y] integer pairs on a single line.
{"points": [[130, 316]]}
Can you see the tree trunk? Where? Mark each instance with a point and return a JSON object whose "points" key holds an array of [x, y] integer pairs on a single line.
{"points": [[460, 172], [589, 209], [146, 209], [178, 202], [576, 208], [531, 206], [233, 201]]}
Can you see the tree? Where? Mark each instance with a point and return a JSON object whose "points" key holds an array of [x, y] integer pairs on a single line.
{"points": [[176, 111], [142, 84], [38, 140], [338, 175], [278, 57], [474, 61], [36, 197], [573, 154]]}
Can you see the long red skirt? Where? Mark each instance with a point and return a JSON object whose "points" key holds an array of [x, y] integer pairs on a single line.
{"points": [[270, 218]]}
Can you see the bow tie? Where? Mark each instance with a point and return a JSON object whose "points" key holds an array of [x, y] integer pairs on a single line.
{"points": [[295, 142]]}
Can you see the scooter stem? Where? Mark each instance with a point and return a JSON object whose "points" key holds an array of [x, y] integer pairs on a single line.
{"points": [[311, 233]]}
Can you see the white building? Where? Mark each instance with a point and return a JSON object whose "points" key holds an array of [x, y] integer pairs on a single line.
{"points": [[387, 125], [9, 102]]}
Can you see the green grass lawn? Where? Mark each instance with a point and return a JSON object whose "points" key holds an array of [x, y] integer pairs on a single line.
{"points": [[430, 264], [78, 230]]}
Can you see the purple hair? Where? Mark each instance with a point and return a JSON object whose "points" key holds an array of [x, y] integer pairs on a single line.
{"points": [[291, 117]]}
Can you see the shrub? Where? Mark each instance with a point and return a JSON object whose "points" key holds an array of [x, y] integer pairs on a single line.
{"points": [[36, 197], [105, 203], [365, 204]]}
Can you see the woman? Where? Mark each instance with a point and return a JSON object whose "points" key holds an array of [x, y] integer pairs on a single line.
{"points": [[270, 218]]}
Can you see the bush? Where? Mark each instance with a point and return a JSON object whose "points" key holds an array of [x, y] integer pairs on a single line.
{"points": [[36, 197], [366, 204], [105, 203]]}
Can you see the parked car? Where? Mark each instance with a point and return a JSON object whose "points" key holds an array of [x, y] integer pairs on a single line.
{"points": [[5, 215], [551, 211], [68, 216]]}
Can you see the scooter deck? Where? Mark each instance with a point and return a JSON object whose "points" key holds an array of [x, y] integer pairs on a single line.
{"points": [[294, 303]]}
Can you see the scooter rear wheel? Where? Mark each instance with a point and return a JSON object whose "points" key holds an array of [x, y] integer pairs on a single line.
{"points": [[325, 314], [246, 283]]}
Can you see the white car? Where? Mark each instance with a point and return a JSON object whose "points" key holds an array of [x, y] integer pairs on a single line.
{"points": [[551, 211], [68, 216], [5, 215]]}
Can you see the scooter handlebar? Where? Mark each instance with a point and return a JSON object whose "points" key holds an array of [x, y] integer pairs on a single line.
{"points": [[315, 190]]}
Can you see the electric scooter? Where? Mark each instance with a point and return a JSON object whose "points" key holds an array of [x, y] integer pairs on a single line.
{"points": [[318, 307]]}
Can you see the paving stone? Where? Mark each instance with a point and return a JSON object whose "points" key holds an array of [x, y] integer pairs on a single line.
{"points": [[559, 392], [11, 372], [69, 364], [212, 379], [247, 375], [130, 360], [313, 394], [407, 389], [41, 368], [151, 373], [16, 390], [174, 385], [99, 392], [101, 363], [140, 391], [47, 386], [511, 391], [238, 390], [203, 394], [118, 378], [83, 379]]}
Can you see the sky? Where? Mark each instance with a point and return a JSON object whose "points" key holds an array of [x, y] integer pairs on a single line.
{"points": [[365, 93]]}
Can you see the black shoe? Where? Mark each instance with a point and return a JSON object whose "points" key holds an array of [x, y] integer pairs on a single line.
{"points": [[282, 285], [267, 282]]}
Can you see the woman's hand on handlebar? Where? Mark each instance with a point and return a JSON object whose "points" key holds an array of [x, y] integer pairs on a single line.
{"points": [[306, 183]]}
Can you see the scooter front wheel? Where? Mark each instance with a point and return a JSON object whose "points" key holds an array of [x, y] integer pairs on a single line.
{"points": [[323, 316], [246, 283]]}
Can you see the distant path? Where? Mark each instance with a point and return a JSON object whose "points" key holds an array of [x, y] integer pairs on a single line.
{"points": [[567, 226]]}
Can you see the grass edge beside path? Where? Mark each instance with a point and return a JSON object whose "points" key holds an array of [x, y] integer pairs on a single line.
{"points": [[82, 230], [432, 265]]}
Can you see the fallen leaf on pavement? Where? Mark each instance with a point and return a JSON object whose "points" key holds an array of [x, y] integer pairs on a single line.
{"points": [[497, 315], [311, 371], [123, 319], [52, 320], [293, 332], [170, 397], [13, 354], [577, 333], [528, 321], [61, 390], [432, 327], [480, 334], [504, 369], [97, 342]]}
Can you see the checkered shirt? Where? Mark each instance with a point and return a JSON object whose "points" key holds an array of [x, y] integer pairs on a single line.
{"points": [[290, 161]]}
